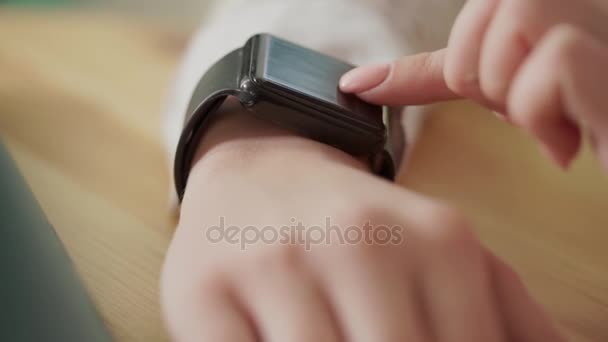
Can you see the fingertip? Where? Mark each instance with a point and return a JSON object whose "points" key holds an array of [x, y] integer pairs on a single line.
{"points": [[410, 80], [364, 78], [561, 143], [561, 160]]}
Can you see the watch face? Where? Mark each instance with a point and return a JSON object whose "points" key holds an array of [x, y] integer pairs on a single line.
{"points": [[310, 78]]}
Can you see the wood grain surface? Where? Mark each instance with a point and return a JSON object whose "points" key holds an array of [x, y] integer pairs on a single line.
{"points": [[81, 97]]}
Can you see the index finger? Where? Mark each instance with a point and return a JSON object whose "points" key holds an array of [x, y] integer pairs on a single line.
{"points": [[410, 80]]}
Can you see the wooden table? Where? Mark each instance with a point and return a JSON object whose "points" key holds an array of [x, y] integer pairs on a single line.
{"points": [[81, 97]]}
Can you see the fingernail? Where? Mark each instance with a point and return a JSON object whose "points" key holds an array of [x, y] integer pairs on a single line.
{"points": [[503, 117], [561, 140], [364, 78], [559, 159], [500, 116]]}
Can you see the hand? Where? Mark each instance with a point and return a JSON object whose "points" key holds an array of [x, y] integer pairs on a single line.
{"points": [[543, 64], [432, 281]]}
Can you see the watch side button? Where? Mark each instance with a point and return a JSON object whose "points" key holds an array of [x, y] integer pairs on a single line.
{"points": [[247, 95]]}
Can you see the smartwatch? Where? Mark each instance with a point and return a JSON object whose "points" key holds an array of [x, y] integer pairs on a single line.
{"points": [[296, 88]]}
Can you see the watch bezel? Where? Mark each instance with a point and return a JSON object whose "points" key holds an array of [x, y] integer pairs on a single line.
{"points": [[257, 50], [331, 123]]}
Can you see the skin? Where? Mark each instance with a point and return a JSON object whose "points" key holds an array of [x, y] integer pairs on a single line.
{"points": [[542, 64], [437, 283], [541, 69]]}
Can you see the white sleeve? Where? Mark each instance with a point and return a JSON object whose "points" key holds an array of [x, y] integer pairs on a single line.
{"points": [[358, 31]]}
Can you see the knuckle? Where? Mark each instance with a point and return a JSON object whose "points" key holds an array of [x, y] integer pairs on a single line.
{"points": [[524, 9], [557, 54], [526, 114], [515, 5], [457, 245], [279, 257], [494, 87], [210, 282], [428, 62], [366, 251], [441, 215], [459, 81], [356, 214], [357, 226], [449, 233], [563, 42]]}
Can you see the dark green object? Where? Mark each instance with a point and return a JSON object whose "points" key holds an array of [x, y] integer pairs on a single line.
{"points": [[35, 2], [41, 297]]}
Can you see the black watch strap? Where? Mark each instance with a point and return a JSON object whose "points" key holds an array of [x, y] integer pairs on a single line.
{"points": [[219, 82], [223, 80]]}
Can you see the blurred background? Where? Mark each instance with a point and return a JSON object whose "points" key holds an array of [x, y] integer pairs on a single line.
{"points": [[186, 12], [83, 89]]}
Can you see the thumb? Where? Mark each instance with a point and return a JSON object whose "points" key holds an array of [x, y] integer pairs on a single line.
{"points": [[411, 80]]}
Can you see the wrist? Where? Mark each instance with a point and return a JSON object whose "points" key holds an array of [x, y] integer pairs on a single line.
{"points": [[236, 141]]}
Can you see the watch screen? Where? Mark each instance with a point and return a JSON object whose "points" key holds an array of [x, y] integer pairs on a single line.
{"points": [[308, 72]]}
